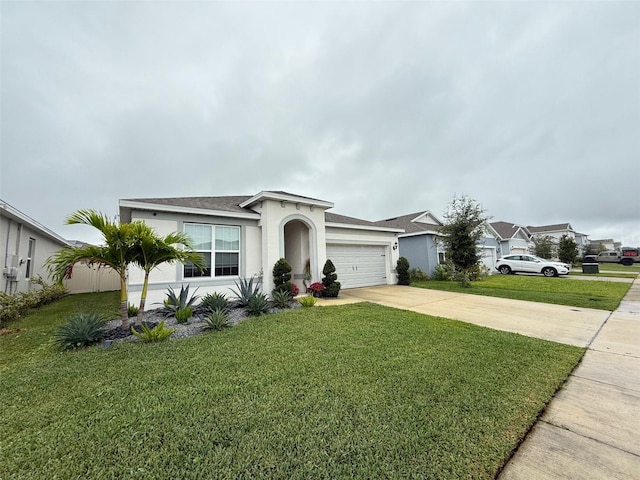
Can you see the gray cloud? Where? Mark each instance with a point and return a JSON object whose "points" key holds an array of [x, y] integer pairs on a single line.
{"points": [[533, 109]]}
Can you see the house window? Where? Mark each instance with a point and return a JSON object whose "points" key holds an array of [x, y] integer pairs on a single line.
{"points": [[30, 253], [219, 247]]}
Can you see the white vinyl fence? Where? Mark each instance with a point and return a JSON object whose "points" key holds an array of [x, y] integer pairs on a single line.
{"points": [[85, 279]]}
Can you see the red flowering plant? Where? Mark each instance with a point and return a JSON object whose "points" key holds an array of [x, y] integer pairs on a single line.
{"points": [[294, 290], [315, 289]]}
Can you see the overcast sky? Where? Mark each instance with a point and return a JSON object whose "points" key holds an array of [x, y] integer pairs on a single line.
{"points": [[384, 108]]}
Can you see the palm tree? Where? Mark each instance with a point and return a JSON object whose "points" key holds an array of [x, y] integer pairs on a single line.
{"points": [[117, 252], [152, 251]]}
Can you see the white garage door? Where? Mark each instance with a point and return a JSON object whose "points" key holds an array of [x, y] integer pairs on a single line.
{"points": [[359, 265], [489, 258]]}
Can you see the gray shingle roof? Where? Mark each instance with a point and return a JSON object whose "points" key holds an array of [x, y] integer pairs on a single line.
{"points": [[549, 228], [405, 222], [506, 229]]}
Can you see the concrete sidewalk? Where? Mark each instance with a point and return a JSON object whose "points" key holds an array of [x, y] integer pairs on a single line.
{"points": [[591, 429]]}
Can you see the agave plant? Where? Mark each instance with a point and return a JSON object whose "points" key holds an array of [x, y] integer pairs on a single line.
{"points": [[174, 302], [216, 320], [214, 302], [81, 330], [246, 289], [258, 304], [281, 299]]}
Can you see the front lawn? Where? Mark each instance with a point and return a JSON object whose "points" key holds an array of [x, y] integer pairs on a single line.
{"points": [[354, 391], [560, 291]]}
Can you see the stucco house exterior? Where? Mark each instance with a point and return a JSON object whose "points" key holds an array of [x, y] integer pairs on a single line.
{"points": [[25, 245], [512, 238], [419, 243], [421, 247], [243, 236]]}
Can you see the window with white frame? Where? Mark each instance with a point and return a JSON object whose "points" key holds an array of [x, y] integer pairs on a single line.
{"points": [[219, 246], [30, 254]]}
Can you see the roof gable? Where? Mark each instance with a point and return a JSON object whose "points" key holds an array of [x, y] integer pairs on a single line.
{"points": [[508, 230]]}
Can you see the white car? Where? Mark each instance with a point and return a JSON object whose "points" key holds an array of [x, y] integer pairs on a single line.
{"points": [[531, 264]]}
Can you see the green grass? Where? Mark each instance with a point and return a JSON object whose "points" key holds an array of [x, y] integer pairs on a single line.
{"points": [[610, 275], [34, 333], [576, 293], [354, 391]]}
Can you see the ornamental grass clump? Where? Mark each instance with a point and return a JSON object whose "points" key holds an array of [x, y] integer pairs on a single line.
{"points": [[81, 330], [308, 301]]}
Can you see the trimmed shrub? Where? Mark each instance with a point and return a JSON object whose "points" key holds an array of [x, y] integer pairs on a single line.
{"points": [[12, 307], [81, 330], [402, 269], [331, 285], [282, 277], [417, 275], [443, 271]]}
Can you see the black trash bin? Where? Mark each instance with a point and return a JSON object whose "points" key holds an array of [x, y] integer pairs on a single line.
{"points": [[590, 268]]}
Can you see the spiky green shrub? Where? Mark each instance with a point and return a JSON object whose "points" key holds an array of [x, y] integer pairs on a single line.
{"points": [[331, 285], [216, 320], [183, 314], [174, 302], [282, 276], [281, 299], [246, 288], [308, 301], [402, 269], [213, 302], [258, 304], [417, 275], [132, 311], [81, 330], [156, 334]]}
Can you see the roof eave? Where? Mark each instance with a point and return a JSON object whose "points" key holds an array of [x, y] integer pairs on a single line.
{"points": [[190, 210], [266, 195], [364, 227]]}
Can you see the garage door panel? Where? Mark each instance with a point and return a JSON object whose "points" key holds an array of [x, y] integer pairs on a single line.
{"points": [[359, 265]]}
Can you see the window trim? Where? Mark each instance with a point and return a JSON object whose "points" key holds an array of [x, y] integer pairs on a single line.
{"points": [[214, 251]]}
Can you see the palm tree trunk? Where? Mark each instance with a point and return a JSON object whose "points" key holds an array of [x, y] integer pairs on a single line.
{"points": [[143, 299], [124, 315]]}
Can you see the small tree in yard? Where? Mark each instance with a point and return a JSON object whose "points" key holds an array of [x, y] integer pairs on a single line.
{"points": [[282, 276], [567, 250], [463, 228], [402, 269], [331, 285], [543, 246]]}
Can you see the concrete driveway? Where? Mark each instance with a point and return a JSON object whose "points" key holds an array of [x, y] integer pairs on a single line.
{"points": [[570, 325]]}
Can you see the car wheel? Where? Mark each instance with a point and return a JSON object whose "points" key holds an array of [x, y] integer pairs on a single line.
{"points": [[549, 272], [627, 262], [505, 269]]}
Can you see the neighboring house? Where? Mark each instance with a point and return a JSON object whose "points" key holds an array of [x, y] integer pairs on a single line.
{"points": [[604, 244], [512, 238], [25, 245], [419, 243], [421, 247], [243, 236], [556, 231], [582, 241]]}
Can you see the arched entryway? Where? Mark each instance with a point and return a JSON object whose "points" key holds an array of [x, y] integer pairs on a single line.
{"points": [[297, 251]]}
